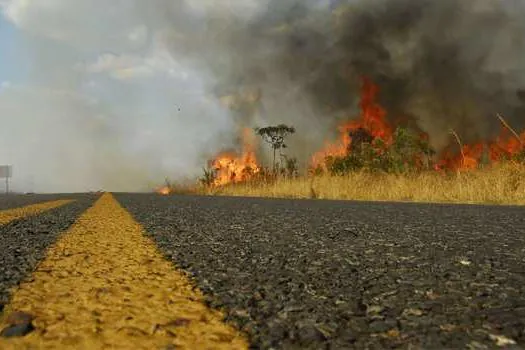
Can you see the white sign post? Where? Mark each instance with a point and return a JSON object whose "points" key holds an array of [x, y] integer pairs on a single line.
{"points": [[6, 171]]}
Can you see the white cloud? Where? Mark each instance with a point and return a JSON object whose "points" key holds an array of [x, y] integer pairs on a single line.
{"points": [[85, 24], [114, 23], [138, 35], [244, 8], [112, 62], [121, 66], [76, 126], [4, 3], [128, 66], [133, 73]]}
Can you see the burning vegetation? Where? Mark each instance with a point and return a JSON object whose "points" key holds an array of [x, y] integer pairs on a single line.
{"points": [[232, 167], [371, 142], [429, 94], [368, 142]]}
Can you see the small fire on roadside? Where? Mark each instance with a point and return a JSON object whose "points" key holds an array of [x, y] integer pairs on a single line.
{"points": [[164, 190], [232, 167]]}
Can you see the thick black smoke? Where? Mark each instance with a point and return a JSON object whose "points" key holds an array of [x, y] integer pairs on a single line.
{"points": [[441, 63]]}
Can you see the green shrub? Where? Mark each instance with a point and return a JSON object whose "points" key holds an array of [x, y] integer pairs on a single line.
{"points": [[408, 152]]}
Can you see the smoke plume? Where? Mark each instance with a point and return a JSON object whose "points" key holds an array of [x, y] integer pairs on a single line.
{"points": [[121, 95], [441, 64]]}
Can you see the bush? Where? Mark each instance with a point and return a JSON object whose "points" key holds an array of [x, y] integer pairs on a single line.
{"points": [[407, 152], [290, 168], [208, 177], [519, 157]]}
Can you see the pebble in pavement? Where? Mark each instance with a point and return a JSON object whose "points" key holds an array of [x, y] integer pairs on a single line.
{"points": [[343, 275], [104, 285]]}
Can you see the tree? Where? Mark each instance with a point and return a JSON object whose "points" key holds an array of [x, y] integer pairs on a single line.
{"points": [[275, 136]]}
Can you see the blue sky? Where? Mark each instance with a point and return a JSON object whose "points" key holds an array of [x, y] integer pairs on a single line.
{"points": [[12, 64], [97, 99]]}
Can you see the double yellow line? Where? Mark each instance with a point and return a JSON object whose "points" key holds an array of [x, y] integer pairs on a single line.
{"points": [[104, 285]]}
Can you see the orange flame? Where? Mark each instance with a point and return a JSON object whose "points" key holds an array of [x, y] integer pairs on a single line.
{"points": [[231, 167], [506, 145], [503, 147], [164, 190], [372, 119]]}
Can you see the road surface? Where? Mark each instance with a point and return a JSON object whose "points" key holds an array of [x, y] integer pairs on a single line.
{"points": [[165, 272]]}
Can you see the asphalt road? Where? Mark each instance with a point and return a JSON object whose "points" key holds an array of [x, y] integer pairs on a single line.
{"points": [[323, 274], [343, 275], [23, 242], [11, 201], [104, 285]]}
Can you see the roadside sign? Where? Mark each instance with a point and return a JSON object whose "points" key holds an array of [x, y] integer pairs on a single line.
{"points": [[6, 171]]}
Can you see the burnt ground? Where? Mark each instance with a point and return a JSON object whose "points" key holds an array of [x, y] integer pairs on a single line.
{"points": [[24, 241], [342, 275]]}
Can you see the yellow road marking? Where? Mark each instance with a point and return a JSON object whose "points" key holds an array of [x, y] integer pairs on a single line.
{"points": [[105, 286], [6, 216]]}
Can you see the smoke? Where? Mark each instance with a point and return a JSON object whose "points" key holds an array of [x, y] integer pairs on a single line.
{"points": [[120, 95], [92, 99], [442, 64]]}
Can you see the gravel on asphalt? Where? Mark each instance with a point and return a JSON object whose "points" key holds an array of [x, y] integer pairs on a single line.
{"points": [[20, 200], [104, 285], [24, 241], [307, 274]]}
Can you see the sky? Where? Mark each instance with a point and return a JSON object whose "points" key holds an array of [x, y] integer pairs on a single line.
{"points": [[8, 71], [91, 98], [119, 95]]}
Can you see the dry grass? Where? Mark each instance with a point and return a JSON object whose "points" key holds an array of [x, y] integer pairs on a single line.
{"points": [[502, 184]]}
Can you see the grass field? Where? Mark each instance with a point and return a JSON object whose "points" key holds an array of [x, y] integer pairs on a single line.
{"points": [[500, 184]]}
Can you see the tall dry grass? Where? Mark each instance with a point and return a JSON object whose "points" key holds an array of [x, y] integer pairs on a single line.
{"points": [[500, 184]]}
